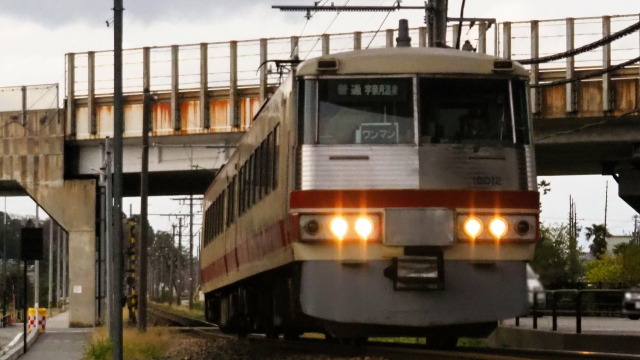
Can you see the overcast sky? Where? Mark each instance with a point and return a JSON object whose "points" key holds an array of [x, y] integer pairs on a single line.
{"points": [[36, 34]]}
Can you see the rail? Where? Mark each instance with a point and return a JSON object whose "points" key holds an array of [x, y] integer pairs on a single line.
{"points": [[578, 303]]}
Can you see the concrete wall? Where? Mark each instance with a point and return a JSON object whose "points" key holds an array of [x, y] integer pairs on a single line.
{"points": [[31, 154]]}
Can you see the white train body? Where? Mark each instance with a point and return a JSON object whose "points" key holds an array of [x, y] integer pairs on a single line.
{"points": [[428, 150]]}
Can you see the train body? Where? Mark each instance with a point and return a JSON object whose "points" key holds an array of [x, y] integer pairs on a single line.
{"points": [[377, 192]]}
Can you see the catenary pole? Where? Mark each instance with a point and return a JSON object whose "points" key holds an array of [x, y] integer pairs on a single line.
{"points": [[144, 229], [118, 127], [4, 260], [191, 251], [50, 300]]}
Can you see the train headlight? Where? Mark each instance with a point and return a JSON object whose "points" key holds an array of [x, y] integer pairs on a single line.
{"points": [[364, 227], [498, 227], [472, 227], [339, 227]]}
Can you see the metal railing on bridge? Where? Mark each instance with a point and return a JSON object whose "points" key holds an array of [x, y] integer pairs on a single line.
{"points": [[232, 71]]}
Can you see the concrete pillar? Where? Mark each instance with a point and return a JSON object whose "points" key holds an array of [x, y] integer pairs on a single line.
{"points": [[326, 44], [506, 40], [263, 70], [571, 88], [71, 93], [422, 36], [91, 92], [234, 120], [607, 90], [204, 86], [357, 40], [534, 78], [295, 51], [455, 30], [482, 37], [175, 88], [73, 205]]}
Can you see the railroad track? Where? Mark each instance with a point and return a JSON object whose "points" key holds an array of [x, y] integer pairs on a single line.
{"points": [[392, 351], [164, 316]]}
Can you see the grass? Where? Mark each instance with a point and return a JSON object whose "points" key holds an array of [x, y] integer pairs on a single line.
{"points": [[139, 346]]}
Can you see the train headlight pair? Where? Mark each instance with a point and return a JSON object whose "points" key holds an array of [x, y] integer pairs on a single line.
{"points": [[497, 227], [363, 227], [516, 227], [340, 227]]}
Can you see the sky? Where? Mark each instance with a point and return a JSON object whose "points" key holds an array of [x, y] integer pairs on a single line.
{"points": [[36, 34]]}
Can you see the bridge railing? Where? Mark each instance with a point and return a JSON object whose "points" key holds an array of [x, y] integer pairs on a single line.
{"points": [[238, 74]]}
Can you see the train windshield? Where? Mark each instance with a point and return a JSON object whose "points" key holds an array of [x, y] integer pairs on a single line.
{"points": [[365, 111], [490, 112]]}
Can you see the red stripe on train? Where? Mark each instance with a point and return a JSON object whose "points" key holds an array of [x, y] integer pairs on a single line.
{"points": [[256, 247], [414, 198]]}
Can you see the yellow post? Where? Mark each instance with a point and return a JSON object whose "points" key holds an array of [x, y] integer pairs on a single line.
{"points": [[43, 319], [31, 319]]}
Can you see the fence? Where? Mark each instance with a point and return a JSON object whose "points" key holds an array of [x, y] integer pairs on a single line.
{"points": [[578, 303]]}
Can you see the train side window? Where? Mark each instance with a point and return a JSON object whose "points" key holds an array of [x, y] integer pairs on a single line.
{"points": [[265, 166], [259, 171], [207, 226], [268, 151], [276, 152], [247, 183], [231, 201], [241, 190], [246, 193], [255, 177], [521, 112]]}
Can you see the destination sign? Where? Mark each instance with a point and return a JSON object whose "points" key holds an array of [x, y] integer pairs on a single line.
{"points": [[358, 90]]}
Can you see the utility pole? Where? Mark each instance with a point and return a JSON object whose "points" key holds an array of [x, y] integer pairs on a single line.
{"points": [[117, 240], [50, 267], [606, 203], [144, 210], [58, 274], [191, 251], [436, 19], [4, 260], [179, 265], [172, 283], [36, 279]]}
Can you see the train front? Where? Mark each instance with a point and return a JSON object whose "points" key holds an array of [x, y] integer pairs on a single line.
{"points": [[415, 207]]}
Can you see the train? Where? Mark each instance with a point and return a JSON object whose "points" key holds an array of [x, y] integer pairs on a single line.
{"points": [[381, 192]]}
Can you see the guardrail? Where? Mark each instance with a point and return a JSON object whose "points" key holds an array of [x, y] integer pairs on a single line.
{"points": [[578, 303]]}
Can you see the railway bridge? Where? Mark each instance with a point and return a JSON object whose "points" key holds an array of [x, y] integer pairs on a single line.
{"points": [[202, 97]]}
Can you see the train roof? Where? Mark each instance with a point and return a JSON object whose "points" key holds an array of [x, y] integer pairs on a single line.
{"points": [[409, 60]]}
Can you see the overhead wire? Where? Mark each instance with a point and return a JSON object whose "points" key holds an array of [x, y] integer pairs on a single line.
{"points": [[325, 31], [380, 27]]}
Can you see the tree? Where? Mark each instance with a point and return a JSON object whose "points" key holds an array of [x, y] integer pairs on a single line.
{"points": [[552, 257], [599, 234], [606, 268]]}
